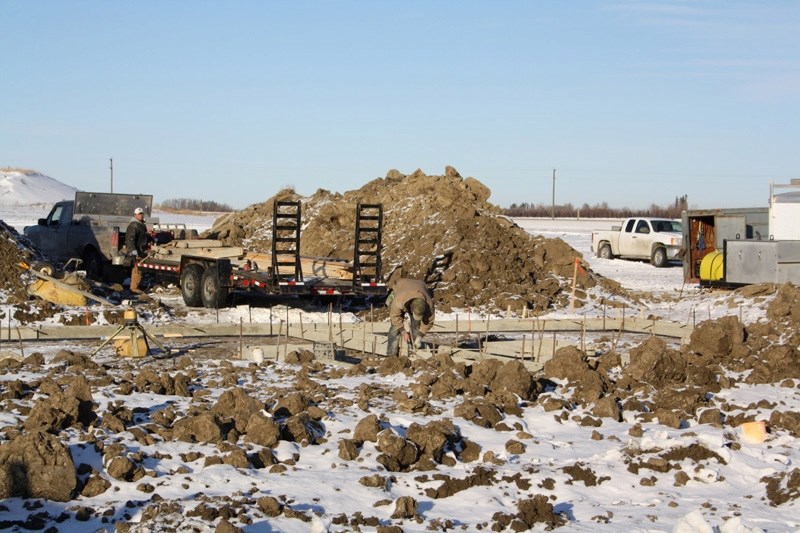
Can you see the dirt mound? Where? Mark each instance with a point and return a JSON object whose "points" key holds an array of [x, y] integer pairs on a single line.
{"points": [[14, 249], [438, 228]]}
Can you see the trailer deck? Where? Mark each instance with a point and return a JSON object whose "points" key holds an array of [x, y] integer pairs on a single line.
{"points": [[208, 271]]}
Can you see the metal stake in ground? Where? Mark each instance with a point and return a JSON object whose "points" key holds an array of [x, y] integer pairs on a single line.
{"points": [[410, 347]]}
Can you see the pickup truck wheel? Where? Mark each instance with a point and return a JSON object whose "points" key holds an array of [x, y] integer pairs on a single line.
{"points": [[191, 279], [659, 257], [93, 265], [605, 252], [214, 295]]}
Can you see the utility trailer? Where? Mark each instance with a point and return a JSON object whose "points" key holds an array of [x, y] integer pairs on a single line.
{"points": [[735, 247], [747, 262], [209, 273], [706, 230]]}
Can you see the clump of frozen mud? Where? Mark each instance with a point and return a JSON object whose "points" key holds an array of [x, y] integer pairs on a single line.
{"points": [[677, 385]]}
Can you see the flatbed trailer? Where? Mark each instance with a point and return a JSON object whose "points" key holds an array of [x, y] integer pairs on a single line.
{"points": [[209, 272]]}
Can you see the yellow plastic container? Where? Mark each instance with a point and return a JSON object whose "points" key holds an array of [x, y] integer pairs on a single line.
{"points": [[712, 267]]}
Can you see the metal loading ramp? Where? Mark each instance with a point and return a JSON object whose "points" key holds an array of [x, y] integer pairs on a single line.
{"points": [[286, 227]]}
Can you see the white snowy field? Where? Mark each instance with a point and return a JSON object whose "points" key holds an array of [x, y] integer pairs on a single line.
{"points": [[665, 294], [633, 275], [28, 195]]}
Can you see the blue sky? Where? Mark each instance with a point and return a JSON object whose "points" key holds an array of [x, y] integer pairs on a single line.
{"points": [[632, 102]]}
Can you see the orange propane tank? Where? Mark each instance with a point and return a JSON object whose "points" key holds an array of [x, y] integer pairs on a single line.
{"points": [[712, 267]]}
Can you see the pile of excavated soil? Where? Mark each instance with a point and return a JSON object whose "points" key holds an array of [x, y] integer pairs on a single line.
{"points": [[14, 249], [438, 228]]}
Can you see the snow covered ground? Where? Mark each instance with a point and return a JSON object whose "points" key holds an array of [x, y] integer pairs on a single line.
{"points": [[725, 494], [666, 295], [633, 275]]}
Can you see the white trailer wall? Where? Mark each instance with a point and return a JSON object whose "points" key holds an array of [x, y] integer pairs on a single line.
{"points": [[784, 215]]}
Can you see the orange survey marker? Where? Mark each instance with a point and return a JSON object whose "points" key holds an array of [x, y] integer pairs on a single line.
{"points": [[579, 266]]}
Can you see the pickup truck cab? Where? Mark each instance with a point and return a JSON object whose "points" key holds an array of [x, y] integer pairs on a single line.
{"points": [[657, 240], [90, 228]]}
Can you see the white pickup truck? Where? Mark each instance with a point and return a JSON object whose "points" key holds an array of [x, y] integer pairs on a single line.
{"points": [[657, 240]]}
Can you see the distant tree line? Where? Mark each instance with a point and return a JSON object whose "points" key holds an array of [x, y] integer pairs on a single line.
{"points": [[187, 204], [601, 210]]}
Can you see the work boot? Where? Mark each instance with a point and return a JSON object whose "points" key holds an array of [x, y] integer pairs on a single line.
{"points": [[136, 278]]}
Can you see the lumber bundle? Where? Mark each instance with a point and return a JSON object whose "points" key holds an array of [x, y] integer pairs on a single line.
{"points": [[317, 267], [173, 250]]}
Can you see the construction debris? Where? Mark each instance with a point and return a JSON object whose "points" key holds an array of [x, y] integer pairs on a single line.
{"points": [[57, 293]]}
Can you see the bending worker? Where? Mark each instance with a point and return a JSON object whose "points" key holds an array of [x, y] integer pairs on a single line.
{"points": [[409, 297], [136, 241]]}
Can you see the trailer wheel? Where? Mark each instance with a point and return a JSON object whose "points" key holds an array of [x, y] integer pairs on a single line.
{"points": [[659, 257], [214, 295], [605, 251], [191, 281]]}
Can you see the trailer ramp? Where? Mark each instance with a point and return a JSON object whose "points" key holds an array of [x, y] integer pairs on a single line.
{"points": [[286, 224], [367, 267]]}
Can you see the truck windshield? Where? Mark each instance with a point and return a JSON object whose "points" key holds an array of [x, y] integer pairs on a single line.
{"points": [[667, 225]]}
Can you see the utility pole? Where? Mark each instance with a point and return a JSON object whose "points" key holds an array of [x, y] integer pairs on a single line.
{"points": [[111, 161], [553, 208]]}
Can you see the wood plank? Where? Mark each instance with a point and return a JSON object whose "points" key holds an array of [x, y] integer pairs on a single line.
{"points": [[194, 243], [175, 252], [318, 267]]}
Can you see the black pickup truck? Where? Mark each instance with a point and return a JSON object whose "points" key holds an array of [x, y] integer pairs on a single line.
{"points": [[90, 228]]}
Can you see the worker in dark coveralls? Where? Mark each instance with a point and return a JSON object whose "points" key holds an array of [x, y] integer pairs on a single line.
{"points": [[409, 297], [136, 241]]}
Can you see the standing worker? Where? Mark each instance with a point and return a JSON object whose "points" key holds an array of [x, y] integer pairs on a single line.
{"points": [[410, 297], [136, 241]]}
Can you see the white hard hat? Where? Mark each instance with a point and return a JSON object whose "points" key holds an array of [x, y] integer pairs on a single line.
{"points": [[138, 210]]}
